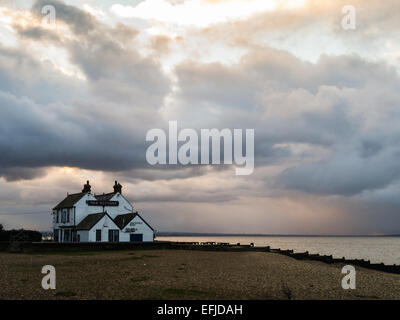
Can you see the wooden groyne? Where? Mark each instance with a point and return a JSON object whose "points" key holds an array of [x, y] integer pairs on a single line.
{"points": [[52, 247], [329, 259]]}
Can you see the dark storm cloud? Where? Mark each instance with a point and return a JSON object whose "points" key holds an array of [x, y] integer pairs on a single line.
{"points": [[345, 174], [21, 173], [38, 136], [50, 119], [100, 123], [161, 172], [343, 104]]}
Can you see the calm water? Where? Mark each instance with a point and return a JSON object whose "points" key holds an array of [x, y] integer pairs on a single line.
{"points": [[376, 249]]}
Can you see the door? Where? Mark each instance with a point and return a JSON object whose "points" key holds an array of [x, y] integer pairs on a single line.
{"points": [[98, 235], [113, 235], [136, 237]]}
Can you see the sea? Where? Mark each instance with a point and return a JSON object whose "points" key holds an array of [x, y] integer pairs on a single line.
{"points": [[377, 249]]}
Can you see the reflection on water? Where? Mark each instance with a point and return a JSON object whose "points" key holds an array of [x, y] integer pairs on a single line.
{"points": [[376, 249]]}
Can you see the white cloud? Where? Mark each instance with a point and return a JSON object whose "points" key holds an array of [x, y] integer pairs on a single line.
{"points": [[198, 13]]}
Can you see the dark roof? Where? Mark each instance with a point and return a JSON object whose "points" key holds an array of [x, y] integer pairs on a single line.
{"points": [[90, 221], [105, 197], [123, 219], [70, 200]]}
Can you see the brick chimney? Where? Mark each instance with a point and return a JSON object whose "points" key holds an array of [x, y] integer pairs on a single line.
{"points": [[117, 187], [86, 187]]}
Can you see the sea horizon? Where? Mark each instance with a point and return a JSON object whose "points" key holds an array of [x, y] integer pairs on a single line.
{"points": [[184, 234], [378, 249]]}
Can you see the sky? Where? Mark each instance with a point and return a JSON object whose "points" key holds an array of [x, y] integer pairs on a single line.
{"points": [[78, 96]]}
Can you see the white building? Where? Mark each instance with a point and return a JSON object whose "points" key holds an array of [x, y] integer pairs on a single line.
{"points": [[85, 217]]}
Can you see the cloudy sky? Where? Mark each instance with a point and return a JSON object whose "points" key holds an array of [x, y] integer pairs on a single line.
{"points": [[77, 98]]}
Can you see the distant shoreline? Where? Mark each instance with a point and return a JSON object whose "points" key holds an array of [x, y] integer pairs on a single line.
{"points": [[188, 234]]}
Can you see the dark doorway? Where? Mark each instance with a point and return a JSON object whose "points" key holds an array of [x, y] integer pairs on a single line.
{"points": [[136, 238], [113, 235], [98, 235]]}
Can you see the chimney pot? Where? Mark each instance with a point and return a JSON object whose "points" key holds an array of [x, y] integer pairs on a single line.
{"points": [[117, 187], [86, 187]]}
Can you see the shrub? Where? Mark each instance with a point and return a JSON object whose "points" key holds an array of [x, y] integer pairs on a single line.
{"points": [[20, 235]]}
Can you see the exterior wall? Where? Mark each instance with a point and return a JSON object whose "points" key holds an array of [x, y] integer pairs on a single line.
{"points": [[123, 207], [82, 209], [104, 225], [83, 235], [140, 227], [78, 212], [57, 225]]}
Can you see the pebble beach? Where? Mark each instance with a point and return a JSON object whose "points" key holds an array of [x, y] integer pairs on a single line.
{"points": [[185, 274]]}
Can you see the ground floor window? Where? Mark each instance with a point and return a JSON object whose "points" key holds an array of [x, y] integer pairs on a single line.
{"points": [[113, 235], [98, 235], [135, 237], [73, 233], [55, 235], [67, 235]]}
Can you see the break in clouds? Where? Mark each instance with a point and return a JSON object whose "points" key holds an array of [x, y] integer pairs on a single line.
{"points": [[78, 98]]}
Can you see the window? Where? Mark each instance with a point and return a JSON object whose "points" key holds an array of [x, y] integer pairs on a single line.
{"points": [[68, 215], [58, 216], [73, 234], [113, 235], [67, 235], [55, 235], [98, 235]]}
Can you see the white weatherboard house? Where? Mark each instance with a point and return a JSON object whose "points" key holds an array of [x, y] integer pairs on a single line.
{"points": [[85, 217]]}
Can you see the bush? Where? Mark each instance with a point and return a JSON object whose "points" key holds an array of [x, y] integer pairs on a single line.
{"points": [[20, 235]]}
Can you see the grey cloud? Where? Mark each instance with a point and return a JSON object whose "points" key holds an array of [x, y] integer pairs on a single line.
{"points": [[346, 173], [50, 119], [108, 58], [23, 76], [286, 100], [21, 173], [327, 104], [80, 21], [37, 33]]}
